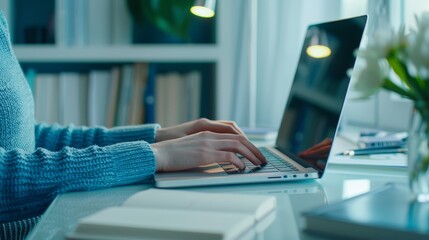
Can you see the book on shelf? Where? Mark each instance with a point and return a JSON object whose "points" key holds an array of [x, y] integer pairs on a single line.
{"points": [[121, 23], [136, 108], [385, 213], [178, 98], [192, 215], [99, 22], [46, 98], [129, 94], [114, 91], [124, 97], [95, 22], [71, 22], [73, 88], [100, 82], [149, 95]]}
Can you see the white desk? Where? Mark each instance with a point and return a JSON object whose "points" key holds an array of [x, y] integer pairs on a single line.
{"points": [[293, 198]]}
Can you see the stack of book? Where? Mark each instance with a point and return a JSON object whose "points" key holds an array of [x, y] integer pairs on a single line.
{"points": [[152, 214], [385, 213]]}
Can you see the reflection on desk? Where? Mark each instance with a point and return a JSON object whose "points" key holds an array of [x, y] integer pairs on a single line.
{"points": [[62, 216], [293, 198]]}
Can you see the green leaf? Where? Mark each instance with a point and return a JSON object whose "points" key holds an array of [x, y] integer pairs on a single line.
{"points": [[391, 86], [171, 16], [411, 82], [399, 68], [424, 86], [424, 164]]}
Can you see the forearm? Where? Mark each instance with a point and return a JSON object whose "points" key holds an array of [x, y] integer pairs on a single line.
{"points": [[30, 181], [55, 137]]}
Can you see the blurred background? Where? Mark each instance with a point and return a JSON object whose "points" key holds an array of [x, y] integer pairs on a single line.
{"points": [[119, 62]]}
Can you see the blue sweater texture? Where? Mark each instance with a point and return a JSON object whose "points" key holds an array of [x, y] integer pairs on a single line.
{"points": [[39, 161]]}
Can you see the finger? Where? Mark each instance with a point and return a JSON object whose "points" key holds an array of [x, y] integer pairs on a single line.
{"points": [[231, 158], [216, 126], [314, 153], [254, 150], [236, 147], [219, 156], [322, 143], [234, 125]]}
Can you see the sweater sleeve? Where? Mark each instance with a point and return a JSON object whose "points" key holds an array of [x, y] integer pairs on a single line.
{"points": [[55, 137], [30, 181]]}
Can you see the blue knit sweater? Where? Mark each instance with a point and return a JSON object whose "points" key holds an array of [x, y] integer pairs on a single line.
{"points": [[38, 161]]}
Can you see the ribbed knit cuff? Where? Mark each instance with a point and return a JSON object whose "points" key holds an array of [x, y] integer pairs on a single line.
{"points": [[134, 165], [146, 132]]}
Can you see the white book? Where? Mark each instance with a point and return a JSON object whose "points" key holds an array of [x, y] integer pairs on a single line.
{"points": [[153, 214], [80, 18], [61, 22], [193, 81], [73, 98], [46, 98], [99, 97], [99, 22], [126, 89], [160, 99], [121, 23], [176, 99], [113, 95]]}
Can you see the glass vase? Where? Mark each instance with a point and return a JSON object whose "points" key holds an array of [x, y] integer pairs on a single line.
{"points": [[418, 158]]}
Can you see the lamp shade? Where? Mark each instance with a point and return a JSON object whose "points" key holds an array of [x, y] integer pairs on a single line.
{"points": [[318, 46], [204, 8]]}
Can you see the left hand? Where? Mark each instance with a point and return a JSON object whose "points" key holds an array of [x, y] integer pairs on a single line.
{"points": [[196, 126]]}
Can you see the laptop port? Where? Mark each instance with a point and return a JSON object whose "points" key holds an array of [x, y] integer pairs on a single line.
{"points": [[274, 177]]}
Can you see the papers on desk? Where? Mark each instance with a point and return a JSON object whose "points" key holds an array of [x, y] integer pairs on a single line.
{"points": [[386, 213], [388, 160], [172, 214]]}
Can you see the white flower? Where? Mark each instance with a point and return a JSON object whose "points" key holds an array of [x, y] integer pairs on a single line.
{"points": [[370, 77], [382, 42], [418, 49]]}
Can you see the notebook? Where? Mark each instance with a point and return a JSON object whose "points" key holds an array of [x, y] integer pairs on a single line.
{"points": [[310, 118], [385, 213], [151, 214]]}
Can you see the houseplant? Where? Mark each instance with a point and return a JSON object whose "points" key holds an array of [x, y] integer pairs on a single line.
{"points": [[170, 16], [399, 63]]}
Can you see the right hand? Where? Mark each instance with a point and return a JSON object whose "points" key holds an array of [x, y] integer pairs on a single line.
{"points": [[204, 148], [196, 126]]}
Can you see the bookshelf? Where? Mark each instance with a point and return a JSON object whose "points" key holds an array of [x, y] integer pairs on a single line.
{"points": [[215, 58], [152, 53]]}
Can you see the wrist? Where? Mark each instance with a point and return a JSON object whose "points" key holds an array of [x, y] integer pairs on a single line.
{"points": [[158, 163], [158, 135]]}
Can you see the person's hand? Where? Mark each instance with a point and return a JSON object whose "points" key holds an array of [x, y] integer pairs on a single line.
{"points": [[204, 148], [197, 126], [318, 154], [318, 151]]}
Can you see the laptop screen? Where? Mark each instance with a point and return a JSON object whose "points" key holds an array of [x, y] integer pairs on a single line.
{"points": [[318, 91]]}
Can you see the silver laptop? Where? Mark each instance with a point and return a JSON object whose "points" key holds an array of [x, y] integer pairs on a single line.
{"points": [[310, 119]]}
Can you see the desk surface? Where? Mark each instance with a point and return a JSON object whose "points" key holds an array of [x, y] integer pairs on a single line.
{"points": [[293, 198]]}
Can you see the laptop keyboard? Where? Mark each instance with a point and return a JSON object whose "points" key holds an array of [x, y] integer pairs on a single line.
{"points": [[275, 164]]}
